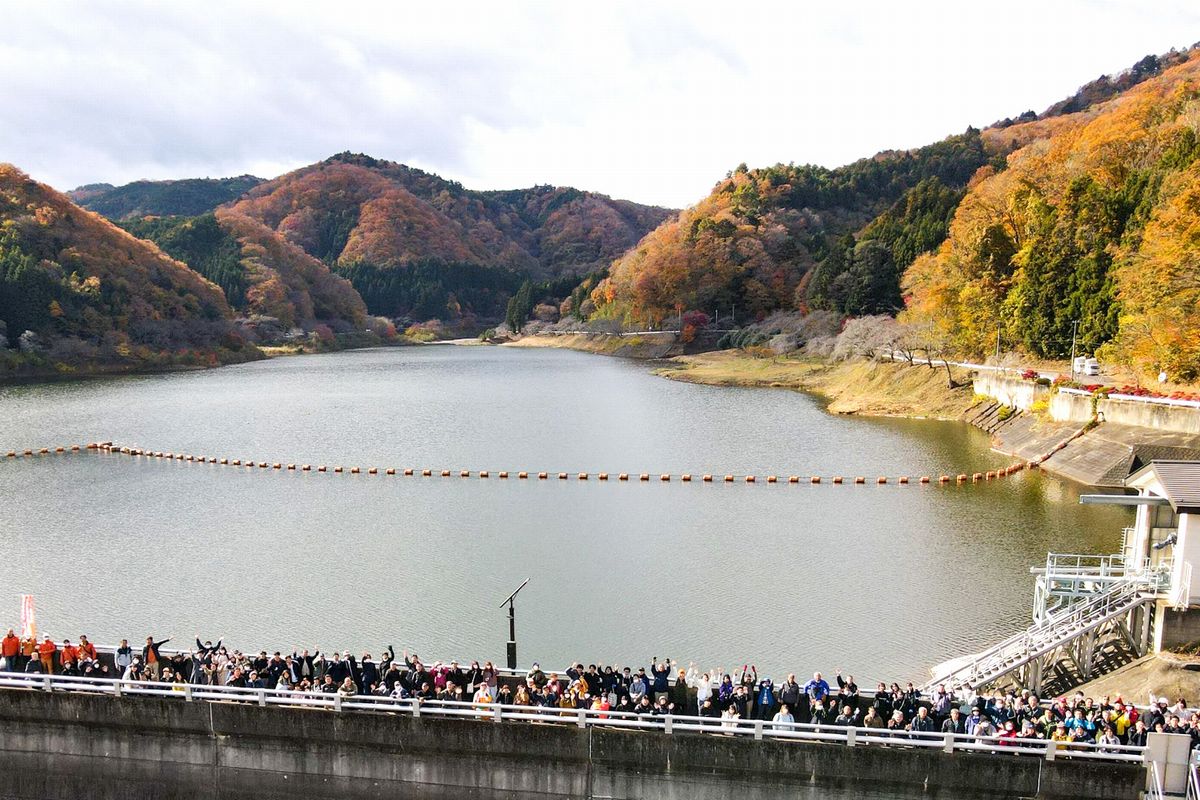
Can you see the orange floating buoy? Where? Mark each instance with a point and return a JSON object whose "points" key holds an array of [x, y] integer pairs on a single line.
{"points": [[562, 476], [305, 467], [543, 476], [837, 479], [237, 462], [60, 449], [944, 479], [321, 468], [408, 472], [483, 473], [522, 475], [466, 473], [583, 476], [373, 471], [624, 476], [277, 465], [815, 479], [859, 479], [390, 471], [10, 454], [978, 476], [44, 450], [603, 476], [75, 448], [445, 473], [425, 473], [989, 475], [337, 469], [212, 459], [771, 479], [224, 460], [961, 479], [729, 479], [881, 480], [793, 478], [503, 475], [749, 479], [903, 479], [644, 477], [685, 477], [664, 477], [707, 479], [924, 479]]}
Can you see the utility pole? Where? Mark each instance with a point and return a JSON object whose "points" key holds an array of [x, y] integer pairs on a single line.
{"points": [[1074, 332], [512, 626], [997, 342]]}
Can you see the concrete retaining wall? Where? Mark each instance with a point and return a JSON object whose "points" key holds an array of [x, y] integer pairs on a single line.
{"points": [[56, 746], [1012, 392], [1067, 407]]}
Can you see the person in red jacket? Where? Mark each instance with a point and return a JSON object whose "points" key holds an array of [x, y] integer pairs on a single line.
{"points": [[46, 651], [10, 651], [87, 650], [68, 656]]}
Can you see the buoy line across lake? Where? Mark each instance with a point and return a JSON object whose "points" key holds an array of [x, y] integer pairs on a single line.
{"points": [[427, 472]]}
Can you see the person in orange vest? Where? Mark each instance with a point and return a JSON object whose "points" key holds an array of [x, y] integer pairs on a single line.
{"points": [[69, 656], [46, 651], [10, 651]]}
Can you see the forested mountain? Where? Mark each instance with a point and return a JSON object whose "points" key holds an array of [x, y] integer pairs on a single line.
{"points": [[1088, 211], [778, 237], [75, 288], [1096, 221], [188, 197], [366, 216], [260, 272]]}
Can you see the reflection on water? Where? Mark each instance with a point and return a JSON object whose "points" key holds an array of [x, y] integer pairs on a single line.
{"points": [[880, 581]]}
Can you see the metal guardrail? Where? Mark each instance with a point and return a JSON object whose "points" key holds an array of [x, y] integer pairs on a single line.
{"points": [[582, 718]]}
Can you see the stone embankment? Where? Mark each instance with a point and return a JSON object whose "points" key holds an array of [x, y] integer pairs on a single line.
{"points": [[1093, 440]]}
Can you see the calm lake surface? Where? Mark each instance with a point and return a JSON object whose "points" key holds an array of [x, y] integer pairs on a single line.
{"points": [[882, 582]]}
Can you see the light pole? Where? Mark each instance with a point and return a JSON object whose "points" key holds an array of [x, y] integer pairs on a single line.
{"points": [[1074, 331], [512, 626]]}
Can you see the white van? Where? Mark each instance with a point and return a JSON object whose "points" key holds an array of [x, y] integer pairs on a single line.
{"points": [[1091, 367]]}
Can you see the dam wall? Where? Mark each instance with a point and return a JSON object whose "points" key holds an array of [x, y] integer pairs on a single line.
{"points": [[58, 745]]}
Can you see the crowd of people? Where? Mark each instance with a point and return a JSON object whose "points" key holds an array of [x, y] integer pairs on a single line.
{"points": [[663, 688]]}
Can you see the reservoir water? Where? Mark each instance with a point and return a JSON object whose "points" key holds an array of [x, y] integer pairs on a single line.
{"points": [[879, 581]]}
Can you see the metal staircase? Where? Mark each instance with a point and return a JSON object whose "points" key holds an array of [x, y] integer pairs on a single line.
{"points": [[1091, 614]]}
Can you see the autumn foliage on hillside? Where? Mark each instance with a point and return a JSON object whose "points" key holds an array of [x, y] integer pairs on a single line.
{"points": [[752, 243], [354, 209], [188, 197], [260, 273], [1094, 221], [74, 287]]}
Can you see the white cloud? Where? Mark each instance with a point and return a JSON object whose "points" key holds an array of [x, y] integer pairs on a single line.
{"points": [[650, 101]]}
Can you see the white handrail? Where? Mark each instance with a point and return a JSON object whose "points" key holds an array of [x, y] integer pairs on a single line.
{"points": [[583, 717]]}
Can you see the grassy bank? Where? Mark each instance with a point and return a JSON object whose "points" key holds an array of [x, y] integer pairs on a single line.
{"points": [[851, 387], [644, 346]]}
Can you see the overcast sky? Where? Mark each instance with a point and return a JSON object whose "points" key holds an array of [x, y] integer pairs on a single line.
{"points": [[643, 100]]}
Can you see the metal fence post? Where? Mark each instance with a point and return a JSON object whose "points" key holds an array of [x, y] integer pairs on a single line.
{"points": [[850, 736], [758, 729]]}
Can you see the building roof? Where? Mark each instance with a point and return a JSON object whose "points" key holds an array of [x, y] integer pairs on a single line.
{"points": [[1180, 481]]}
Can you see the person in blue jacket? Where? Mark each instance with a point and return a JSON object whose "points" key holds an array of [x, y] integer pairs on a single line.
{"points": [[765, 699], [817, 688]]}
